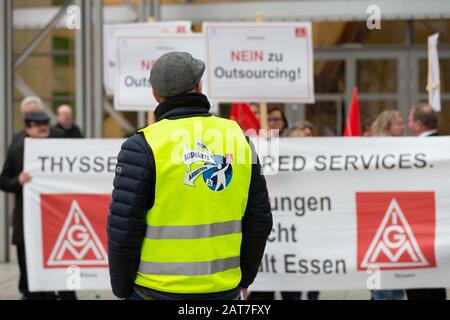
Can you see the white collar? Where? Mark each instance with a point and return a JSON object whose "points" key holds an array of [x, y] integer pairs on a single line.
{"points": [[427, 133]]}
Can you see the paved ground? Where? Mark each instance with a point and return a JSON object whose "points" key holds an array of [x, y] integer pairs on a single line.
{"points": [[9, 279]]}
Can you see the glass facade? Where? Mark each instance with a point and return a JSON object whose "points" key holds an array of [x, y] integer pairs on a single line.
{"points": [[394, 79]]}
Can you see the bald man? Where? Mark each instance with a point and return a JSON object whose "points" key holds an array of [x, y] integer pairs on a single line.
{"points": [[423, 121], [66, 128]]}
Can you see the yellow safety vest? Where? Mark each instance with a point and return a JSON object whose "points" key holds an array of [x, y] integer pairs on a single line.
{"points": [[193, 237]]}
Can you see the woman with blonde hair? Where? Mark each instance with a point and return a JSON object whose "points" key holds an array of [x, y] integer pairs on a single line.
{"points": [[388, 123], [303, 129]]}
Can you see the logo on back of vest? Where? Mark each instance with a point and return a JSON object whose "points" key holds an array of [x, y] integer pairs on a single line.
{"points": [[216, 170]]}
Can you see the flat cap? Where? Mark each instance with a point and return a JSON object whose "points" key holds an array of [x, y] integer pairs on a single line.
{"points": [[175, 73], [37, 116]]}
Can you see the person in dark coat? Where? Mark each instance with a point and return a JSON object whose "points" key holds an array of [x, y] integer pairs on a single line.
{"points": [[12, 179], [66, 128], [134, 195], [31, 104], [28, 104], [423, 122]]}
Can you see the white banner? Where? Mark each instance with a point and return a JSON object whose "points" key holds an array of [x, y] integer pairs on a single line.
{"points": [[136, 55], [149, 29], [358, 213], [65, 210], [263, 62], [352, 213]]}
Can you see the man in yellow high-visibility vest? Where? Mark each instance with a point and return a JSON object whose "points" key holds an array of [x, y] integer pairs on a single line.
{"points": [[190, 213]]}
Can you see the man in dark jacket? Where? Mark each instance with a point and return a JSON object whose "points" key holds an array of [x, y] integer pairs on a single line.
{"points": [[66, 127], [32, 104], [12, 179], [134, 189], [28, 104], [423, 122]]}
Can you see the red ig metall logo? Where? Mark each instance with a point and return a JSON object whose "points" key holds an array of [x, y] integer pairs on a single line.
{"points": [[396, 230], [73, 229]]}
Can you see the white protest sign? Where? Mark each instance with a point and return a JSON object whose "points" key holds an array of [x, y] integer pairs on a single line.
{"points": [[110, 42], [268, 62], [136, 56]]}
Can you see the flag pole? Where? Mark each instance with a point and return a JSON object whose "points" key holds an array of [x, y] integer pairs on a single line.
{"points": [[262, 105], [429, 75], [433, 77], [150, 114]]}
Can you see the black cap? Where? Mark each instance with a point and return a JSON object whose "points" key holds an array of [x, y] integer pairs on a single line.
{"points": [[38, 116]]}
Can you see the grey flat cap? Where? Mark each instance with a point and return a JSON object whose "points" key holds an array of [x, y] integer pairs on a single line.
{"points": [[37, 116], [175, 73]]}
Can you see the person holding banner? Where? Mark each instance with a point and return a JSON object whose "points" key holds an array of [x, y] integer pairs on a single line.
{"points": [[388, 123], [303, 129], [12, 179], [66, 128], [28, 104], [190, 214], [423, 123]]}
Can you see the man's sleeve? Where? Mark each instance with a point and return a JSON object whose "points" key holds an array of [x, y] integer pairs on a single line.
{"points": [[132, 197], [256, 224], [9, 180]]}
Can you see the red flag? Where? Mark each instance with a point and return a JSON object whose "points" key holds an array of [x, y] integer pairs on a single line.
{"points": [[242, 113], [353, 124]]}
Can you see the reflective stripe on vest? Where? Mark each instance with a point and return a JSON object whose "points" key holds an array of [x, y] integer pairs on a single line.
{"points": [[189, 268], [194, 229], [194, 232]]}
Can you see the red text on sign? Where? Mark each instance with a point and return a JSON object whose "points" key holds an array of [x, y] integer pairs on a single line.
{"points": [[247, 55]]}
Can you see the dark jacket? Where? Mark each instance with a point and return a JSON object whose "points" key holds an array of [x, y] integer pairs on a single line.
{"points": [[60, 132], [9, 182], [133, 196]]}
